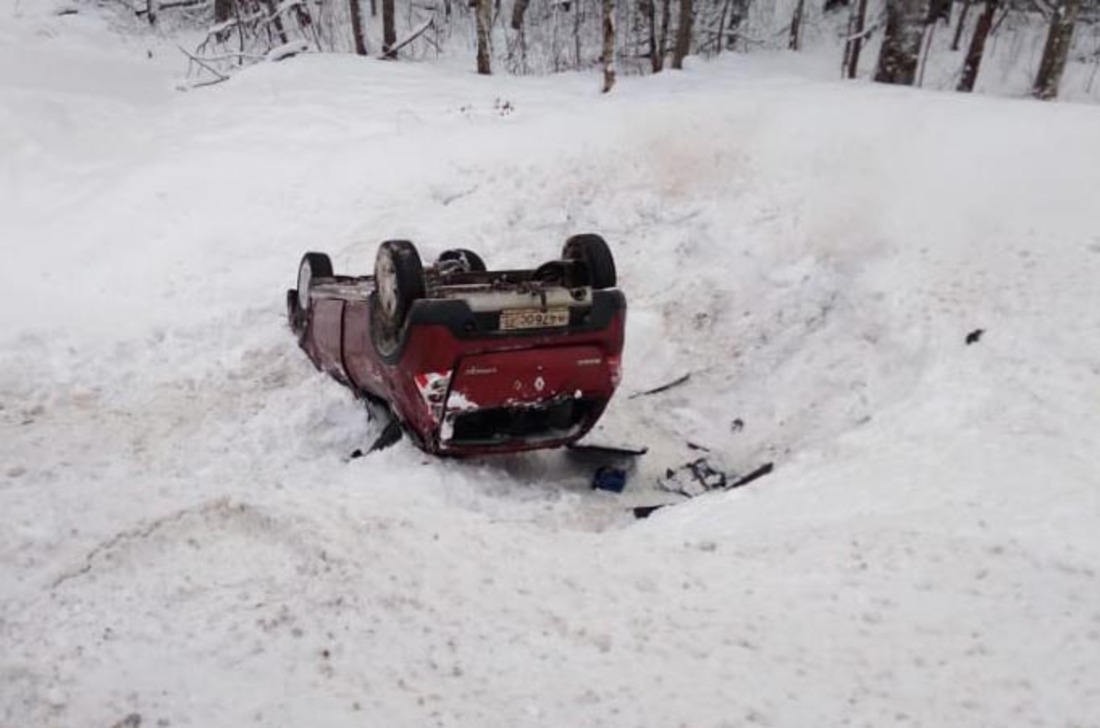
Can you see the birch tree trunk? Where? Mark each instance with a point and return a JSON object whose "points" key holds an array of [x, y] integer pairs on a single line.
{"points": [[722, 24], [900, 53], [484, 51], [357, 27], [1056, 50], [608, 44], [683, 34], [854, 46], [974, 53]]}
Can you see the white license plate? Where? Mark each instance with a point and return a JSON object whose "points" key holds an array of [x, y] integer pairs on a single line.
{"points": [[533, 318]]}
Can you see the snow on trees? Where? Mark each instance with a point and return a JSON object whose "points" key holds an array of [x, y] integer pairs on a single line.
{"points": [[631, 37]]}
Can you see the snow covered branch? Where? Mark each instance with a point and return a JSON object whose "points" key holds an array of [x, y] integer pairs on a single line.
{"points": [[416, 33]]}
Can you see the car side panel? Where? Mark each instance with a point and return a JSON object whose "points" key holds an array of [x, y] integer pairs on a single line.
{"points": [[324, 334], [363, 367]]}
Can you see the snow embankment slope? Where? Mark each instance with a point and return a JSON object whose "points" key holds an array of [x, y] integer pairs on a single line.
{"points": [[183, 538]]}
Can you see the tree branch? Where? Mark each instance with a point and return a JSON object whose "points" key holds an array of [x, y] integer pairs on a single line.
{"points": [[391, 52], [221, 76], [172, 5]]}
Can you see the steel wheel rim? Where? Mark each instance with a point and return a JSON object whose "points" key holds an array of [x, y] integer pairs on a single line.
{"points": [[305, 278], [387, 286]]}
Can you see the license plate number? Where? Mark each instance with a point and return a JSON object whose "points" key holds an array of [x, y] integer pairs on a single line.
{"points": [[533, 318]]}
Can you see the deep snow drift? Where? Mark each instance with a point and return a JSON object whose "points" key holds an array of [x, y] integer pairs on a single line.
{"points": [[183, 537]]}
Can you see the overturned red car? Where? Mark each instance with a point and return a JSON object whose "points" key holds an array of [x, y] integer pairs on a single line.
{"points": [[467, 360]]}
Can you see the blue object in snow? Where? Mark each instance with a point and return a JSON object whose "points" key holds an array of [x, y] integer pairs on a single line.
{"points": [[610, 479]]}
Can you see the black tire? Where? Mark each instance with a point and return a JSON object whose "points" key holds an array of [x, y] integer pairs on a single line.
{"points": [[471, 261], [313, 265], [398, 282], [293, 313], [596, 255]]}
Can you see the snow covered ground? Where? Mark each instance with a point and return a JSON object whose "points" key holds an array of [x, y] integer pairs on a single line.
{"points": [[184, 539]]}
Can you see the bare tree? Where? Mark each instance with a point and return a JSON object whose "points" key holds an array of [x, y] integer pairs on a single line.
{"points": [[484, 23], [853, 45], [683, 34], [276, 21], [1056, 50], [662, 35], [518, 11], [357, 27], [389, 29], [961, 25], [517, 45], [649, 10], [608, 7], [578, 23], [974, 53], [794, 39], [720, 34], [739, 10], [900, 52]]}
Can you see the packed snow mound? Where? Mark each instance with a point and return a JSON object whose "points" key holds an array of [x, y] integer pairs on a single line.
{"points": [[185, 539]]}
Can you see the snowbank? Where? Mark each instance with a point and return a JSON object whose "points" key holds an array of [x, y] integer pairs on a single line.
{"points": [[184, 538]]}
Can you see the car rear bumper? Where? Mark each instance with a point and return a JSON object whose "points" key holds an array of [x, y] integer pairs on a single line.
{"points": [[515, 428]]}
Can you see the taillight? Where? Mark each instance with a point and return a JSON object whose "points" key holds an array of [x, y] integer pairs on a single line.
{"points": [[614, 367], [433, 390]]}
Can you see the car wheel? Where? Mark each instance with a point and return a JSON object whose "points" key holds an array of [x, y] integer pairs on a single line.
{"points": [[313, 265], [469, 260], [293, 313], [593, 250], [398, 282]]}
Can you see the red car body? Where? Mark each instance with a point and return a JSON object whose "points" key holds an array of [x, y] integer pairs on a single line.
{"points": [[460, 384]]}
